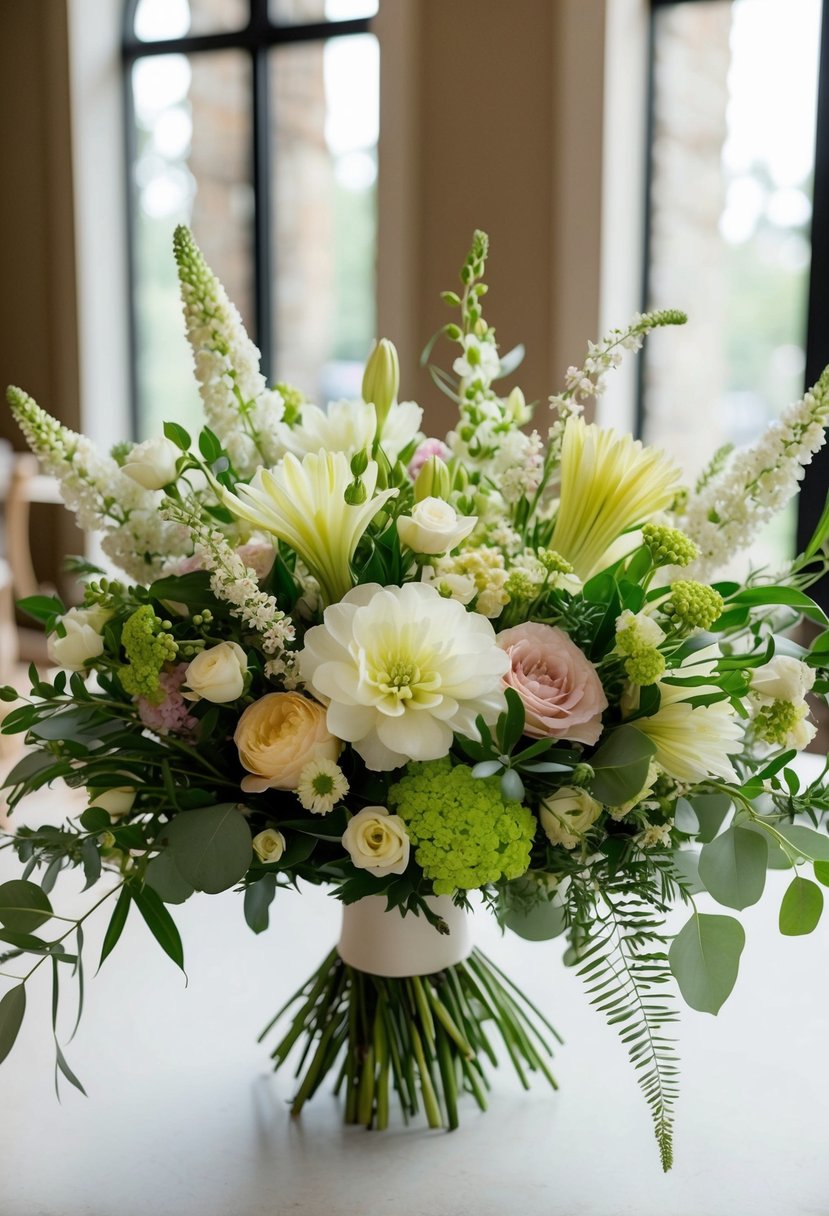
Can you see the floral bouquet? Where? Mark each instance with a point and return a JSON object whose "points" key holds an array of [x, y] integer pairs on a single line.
{"points": [[417, 669]]}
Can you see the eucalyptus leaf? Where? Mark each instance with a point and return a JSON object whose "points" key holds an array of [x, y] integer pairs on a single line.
{"points": [[705, 960], [733, 867], [822, 872], [540, 923], [711, 811], [809, 843], [686, 863], [12, 1009], [211, 847], [685, 818], [620, 766], [24, 906], [165, 879], [801, 908]]}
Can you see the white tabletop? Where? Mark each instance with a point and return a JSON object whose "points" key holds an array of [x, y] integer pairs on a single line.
{"points": [[184, 1119]]}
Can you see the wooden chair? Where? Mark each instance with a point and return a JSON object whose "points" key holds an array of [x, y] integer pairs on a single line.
{"points": [[27, 485]]}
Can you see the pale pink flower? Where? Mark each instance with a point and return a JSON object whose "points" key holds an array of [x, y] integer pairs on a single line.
{"points": [[562, 694], [258, 556], [172, 715], [429, 447]]}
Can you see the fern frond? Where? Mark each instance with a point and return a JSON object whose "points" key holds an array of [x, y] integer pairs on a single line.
{"points": [[628, 978]]}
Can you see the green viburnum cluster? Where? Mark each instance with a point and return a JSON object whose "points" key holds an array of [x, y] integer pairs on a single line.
{"points": [[147, 647], [463, 832], [668, 546], [637, 640], [693, 605], [775, 723]]}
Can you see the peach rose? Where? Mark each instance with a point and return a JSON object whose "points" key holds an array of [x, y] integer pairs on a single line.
{"points": [[276, 738], [563, 697]]}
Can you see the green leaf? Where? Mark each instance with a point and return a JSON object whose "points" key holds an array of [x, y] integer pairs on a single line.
{"points": [[733, 867], [23, 906], [258, 898], [820, 533], [96, 819], [211, 847], [788, 596], [711, 811], [60, 1062], [41, 607], [91, 859], [540, 923], [177, 435], [810, 844], [12, 1009], [160, 923], [686, 863], [164, 878], [801, 908], [685, 818], [190, 589], [116, 924], [822, 872], [705, 960], [511, 723], [621, 765]]}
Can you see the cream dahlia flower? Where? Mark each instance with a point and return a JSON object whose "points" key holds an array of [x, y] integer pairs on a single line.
{"points": [[401, 669], [304, 505], [694, 742], [610, 484]]}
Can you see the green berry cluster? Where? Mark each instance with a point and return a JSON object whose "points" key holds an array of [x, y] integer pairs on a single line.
{"points": [[693, 605], [774, 723], [553, 562], [148, 646], [669, 546], [645, 667], [463, 832]]}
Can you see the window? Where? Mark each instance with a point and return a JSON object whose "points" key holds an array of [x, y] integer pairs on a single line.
{"points": [[256, 123], [738, 220]]}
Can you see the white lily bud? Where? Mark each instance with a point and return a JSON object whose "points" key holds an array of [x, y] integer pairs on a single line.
{"points": [[381, 380]]}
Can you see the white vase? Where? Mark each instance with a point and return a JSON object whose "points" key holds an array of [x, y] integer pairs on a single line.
{"points": [[385, 943]]}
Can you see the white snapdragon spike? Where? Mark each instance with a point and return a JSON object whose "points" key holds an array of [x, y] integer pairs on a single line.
{"points": [[239, 407], [236, 584], [694, 742], [756, 483], [303, 504], [401, 670], [518, 466], [479, 363], [135, 537]]}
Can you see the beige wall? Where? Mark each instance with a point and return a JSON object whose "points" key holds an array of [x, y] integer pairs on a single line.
{"points": [[491, 118], [38, 321]]}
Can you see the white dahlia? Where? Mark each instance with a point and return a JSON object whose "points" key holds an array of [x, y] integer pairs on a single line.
{"points": [[402, 669]]}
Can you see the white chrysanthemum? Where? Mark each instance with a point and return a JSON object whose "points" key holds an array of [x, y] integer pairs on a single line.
{"points": [[401, 669], [350, 426], [694, 742], [322, 785]]}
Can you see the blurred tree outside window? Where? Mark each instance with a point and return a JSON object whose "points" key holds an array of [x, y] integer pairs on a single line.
{"points": [[256, 123]]}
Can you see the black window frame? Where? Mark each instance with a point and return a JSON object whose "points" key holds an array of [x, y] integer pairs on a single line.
{"points": [[257, 38], [814, 486]]}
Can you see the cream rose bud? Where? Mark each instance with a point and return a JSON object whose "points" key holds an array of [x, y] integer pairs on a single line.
{"points": [[217, 674], [269, 845], [567, 814], [434, 527], [81, 639], [377, 841], [152, 463], [277, 736], [116, 802], [783, 679]]}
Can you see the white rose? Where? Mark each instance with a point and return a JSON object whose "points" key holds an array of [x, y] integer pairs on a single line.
{"points": [[269, 845], [116, 802], [567, 814], [377, 841], [783, 679], [82, 639], [217, 674], [434, 527], [153, 463]]}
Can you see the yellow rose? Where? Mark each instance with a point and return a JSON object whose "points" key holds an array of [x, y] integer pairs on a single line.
{"points": [[269, 845], [276, 738], [377, 841], [567, 814]]}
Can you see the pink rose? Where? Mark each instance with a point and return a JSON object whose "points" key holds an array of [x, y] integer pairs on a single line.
{"points": [[563, 697]]}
